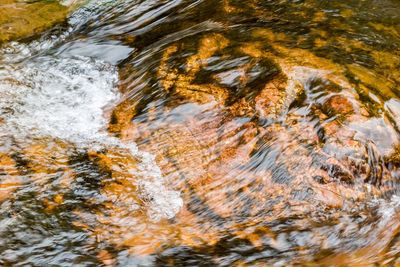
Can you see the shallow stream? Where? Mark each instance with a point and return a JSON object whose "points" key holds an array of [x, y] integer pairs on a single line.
{"points": [[200, 133]]}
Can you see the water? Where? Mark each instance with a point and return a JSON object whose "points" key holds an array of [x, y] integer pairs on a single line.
{"points": [[203, 133]]}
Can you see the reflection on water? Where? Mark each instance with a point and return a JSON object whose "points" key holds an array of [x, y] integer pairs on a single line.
{"points": [[191, 133]]}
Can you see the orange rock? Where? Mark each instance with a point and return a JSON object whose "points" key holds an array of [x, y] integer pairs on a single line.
{"points": [[9, 177]]}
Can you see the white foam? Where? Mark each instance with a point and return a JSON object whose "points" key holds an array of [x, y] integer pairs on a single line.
{"points": [[58, 97]]}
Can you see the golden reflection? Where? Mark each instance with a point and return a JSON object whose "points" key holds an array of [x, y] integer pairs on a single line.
{"points": [[9, 178]]}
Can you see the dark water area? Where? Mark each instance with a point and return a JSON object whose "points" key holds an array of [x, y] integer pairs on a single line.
{"points": [[203, 133]]}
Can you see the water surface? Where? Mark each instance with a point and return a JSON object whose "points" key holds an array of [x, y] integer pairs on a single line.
{"points": [[202, 133]]}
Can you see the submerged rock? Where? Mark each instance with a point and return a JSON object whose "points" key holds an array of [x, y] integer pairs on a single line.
{"points": [[24, 19], [251, 137]]}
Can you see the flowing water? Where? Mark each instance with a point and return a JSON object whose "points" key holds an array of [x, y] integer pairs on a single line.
{"points": [[201, 133]]}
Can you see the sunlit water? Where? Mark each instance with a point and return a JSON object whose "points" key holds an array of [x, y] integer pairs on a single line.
{"points": [[203, 133]]}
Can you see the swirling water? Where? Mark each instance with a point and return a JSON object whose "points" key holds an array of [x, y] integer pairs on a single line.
{"points": [[203, 133]]}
